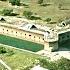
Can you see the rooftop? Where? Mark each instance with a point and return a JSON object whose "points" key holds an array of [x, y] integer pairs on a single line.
{"points": [[28, 25]]}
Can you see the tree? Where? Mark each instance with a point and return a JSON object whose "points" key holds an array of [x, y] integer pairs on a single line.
{"points": [[60, 6], [3, 0], [2, 50], [35, 18], [48, 20], [15, 2], [40, 1], [27, 14], [12, 2], [61, 64], [7, 12], [47, 64], [60, 20]]}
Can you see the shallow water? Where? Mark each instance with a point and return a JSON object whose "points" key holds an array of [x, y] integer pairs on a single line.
{"points": [[22, 44]]}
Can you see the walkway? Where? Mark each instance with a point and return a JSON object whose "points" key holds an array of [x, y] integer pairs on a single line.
{"points": [[6, 66]]}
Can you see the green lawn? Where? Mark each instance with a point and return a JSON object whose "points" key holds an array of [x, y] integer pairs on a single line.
{"points": [[19, 60], [22, 59], [22, 44]]}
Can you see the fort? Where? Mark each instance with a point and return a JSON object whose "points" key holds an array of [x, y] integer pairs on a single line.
{"points": [[48, 36]]}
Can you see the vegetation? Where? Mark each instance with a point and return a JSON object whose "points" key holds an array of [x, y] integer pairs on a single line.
{"points": [[35, 18], [20, 60], [40, 1], [61, 64], [51, 9], [60, 6], [15, 2], [23, 60], [2, 50], [3, 0], [57, 10], [8, 12], [48, 20], [27, 14]]}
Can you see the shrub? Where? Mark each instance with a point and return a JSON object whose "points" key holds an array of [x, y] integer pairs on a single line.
{"points": [[48, 20], [7, 12], [13, 14], [40, 1], [27, 14], [47, 64], [15, 2], [2, 50], [60, 6], [3, 0], [34, 18], [60, 20], [43, 4], [10, 52], [61, 64], [24, 4]]}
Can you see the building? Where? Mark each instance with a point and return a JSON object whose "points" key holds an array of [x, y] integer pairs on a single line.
{"points": [[48, 36]]}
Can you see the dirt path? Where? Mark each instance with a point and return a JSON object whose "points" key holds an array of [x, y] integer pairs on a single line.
{"points": [[55, 55], [6, 66]]}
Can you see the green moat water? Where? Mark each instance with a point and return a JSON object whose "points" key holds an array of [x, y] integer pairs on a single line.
{"points": [[22, 44], [65, 44]]}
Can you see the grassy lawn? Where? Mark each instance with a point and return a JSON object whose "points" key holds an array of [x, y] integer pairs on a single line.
{"points": [[22, 44], [19, 60]]}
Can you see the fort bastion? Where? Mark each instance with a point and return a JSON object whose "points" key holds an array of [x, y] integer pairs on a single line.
{"points": [[48, 36]]}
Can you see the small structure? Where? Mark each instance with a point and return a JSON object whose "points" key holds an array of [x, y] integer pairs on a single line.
{"points": [[2, 19]]}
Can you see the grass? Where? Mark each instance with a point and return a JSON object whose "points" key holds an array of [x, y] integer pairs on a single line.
{"points": [[51, 11], [19, 60], [22, 44]]}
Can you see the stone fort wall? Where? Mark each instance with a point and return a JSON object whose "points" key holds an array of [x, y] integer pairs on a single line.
{"points": [[34, 37], [22, 34]]}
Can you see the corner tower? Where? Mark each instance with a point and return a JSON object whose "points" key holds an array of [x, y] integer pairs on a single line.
{"points": [[50, 41]]}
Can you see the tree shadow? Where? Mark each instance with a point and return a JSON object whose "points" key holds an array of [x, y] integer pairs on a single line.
{"points": [[64, 9], [45, 4], [24, 4]]}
